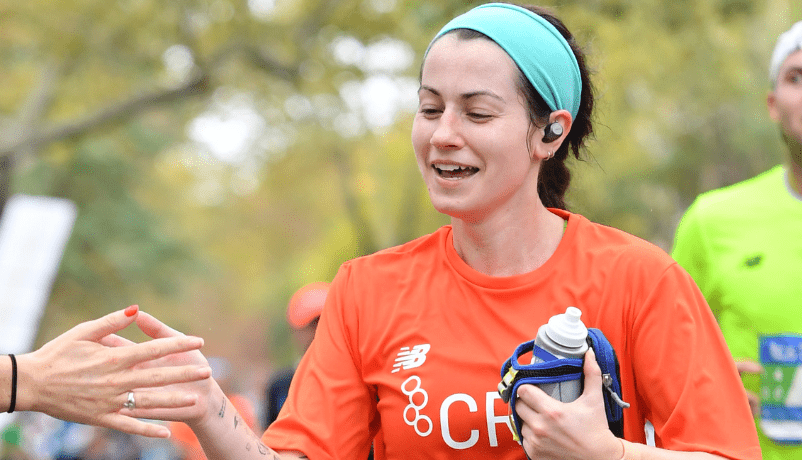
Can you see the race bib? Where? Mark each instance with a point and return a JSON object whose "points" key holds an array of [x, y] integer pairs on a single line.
{"points": [[781, 388]]}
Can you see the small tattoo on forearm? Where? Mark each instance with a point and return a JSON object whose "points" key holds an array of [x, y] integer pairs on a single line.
{"points": [[262, 448], [248, 447], [236, 421], [222, 409]]}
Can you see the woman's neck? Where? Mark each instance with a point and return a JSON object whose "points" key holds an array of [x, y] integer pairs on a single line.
{"points": [[500, 247]]}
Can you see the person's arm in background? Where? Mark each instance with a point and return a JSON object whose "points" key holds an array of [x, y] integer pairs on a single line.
{"points": [[747, 366], [85, 374], [690, 251]]}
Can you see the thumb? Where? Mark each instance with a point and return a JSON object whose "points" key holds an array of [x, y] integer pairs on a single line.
{"points": [[154, 328], [110, 324], [593, 377]]}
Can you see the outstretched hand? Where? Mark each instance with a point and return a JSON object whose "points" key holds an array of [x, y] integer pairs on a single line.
{"points": [[85, 374], [198, 390], [575, 431]]}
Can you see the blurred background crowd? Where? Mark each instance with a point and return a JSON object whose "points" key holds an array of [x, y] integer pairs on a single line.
{"points": [[219, 154]]}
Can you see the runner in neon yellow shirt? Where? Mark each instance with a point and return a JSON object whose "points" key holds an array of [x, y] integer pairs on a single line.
{"points": [[743, 246]]}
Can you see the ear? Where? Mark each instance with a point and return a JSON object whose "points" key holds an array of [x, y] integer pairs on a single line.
{"points": [[771, 103], [543, 150]]}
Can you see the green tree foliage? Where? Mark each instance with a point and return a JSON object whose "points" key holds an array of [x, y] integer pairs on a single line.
{"points": [[222, 153], [682, 90]]}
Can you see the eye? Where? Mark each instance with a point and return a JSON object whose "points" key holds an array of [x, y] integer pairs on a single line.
{"points": [[477, 116], [430, 112], [794, 77]]}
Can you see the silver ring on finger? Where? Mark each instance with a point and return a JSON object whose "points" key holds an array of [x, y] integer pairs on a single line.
{"points": [[131, 403]]}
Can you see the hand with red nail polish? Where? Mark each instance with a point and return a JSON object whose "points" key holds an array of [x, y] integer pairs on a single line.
{"points": [[86, 375]]}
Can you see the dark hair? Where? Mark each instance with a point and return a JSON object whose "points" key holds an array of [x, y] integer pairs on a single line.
{"points": [[554, 177]]}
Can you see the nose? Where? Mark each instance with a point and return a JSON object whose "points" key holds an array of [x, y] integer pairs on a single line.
{"points": [[447, 134]]}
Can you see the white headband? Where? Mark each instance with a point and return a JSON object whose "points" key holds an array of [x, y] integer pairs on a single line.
{"points": [[787, 44]]}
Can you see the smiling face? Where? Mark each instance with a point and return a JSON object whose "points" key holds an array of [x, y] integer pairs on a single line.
{"points": [[471, 129], [785, 104]]}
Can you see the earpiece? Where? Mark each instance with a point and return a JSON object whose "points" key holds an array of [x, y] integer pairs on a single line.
{"points": [[553, 132]]}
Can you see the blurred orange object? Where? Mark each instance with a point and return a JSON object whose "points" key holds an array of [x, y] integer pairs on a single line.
{"points": [[306, 304]]}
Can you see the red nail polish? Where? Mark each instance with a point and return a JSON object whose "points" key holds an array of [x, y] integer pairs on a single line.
{"points": [[131, 311]]}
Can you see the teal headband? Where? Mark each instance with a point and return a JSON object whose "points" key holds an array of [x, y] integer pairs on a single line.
{"points": [[540, 51]]}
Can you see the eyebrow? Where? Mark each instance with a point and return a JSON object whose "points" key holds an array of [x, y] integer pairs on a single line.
{"points": [[466, 96]]}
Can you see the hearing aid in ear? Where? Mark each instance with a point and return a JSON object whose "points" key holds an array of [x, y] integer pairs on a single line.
{"points": [[552, 132]]}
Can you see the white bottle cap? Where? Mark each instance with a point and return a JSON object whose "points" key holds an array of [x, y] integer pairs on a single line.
{"points": [[567, 329]]}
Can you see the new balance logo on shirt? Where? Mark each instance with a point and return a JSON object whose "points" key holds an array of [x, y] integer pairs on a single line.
{"points": [[411, 358]]}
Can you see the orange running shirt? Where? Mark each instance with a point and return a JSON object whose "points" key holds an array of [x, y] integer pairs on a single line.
{"points": [[411, 342]]}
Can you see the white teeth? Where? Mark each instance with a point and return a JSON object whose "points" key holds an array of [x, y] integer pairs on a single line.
{"points": [[449, 167]]}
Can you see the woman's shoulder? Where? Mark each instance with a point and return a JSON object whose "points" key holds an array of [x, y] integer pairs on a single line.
{"points": [[429, 245], [608, 256], [386, 271], [610, 243]]}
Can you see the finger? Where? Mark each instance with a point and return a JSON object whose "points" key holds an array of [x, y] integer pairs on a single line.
{"points": [[533, 406], [167, 414], [532, 398], [155, 349], [114, 340], [159, 399], [133, 426], [747, 366], [97, 329], [156, 377], [523, 403], [754, 403], [593, 377], [154, 328]]}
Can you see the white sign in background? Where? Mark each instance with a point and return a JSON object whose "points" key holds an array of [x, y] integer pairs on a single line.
{"points": [[33, 233]]}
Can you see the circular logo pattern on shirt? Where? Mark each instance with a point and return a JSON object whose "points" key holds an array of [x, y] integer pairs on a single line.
{"points": [[416, 407]]}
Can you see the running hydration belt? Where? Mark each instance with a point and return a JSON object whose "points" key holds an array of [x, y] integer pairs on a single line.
{"points": [[555, 370]]}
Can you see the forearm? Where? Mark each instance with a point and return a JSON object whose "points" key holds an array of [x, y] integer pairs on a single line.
{"points": [[224, 435]]}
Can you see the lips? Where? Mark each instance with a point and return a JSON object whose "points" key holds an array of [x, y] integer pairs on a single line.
{"points": [[452, 171]]}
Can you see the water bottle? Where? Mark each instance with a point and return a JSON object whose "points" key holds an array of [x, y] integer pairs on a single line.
{"points": [[564, 336]]}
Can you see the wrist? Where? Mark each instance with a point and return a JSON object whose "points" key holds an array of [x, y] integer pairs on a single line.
{"points": [[12, 404], [6, 383], [27, 390], [631, 450], [215, 406]]}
